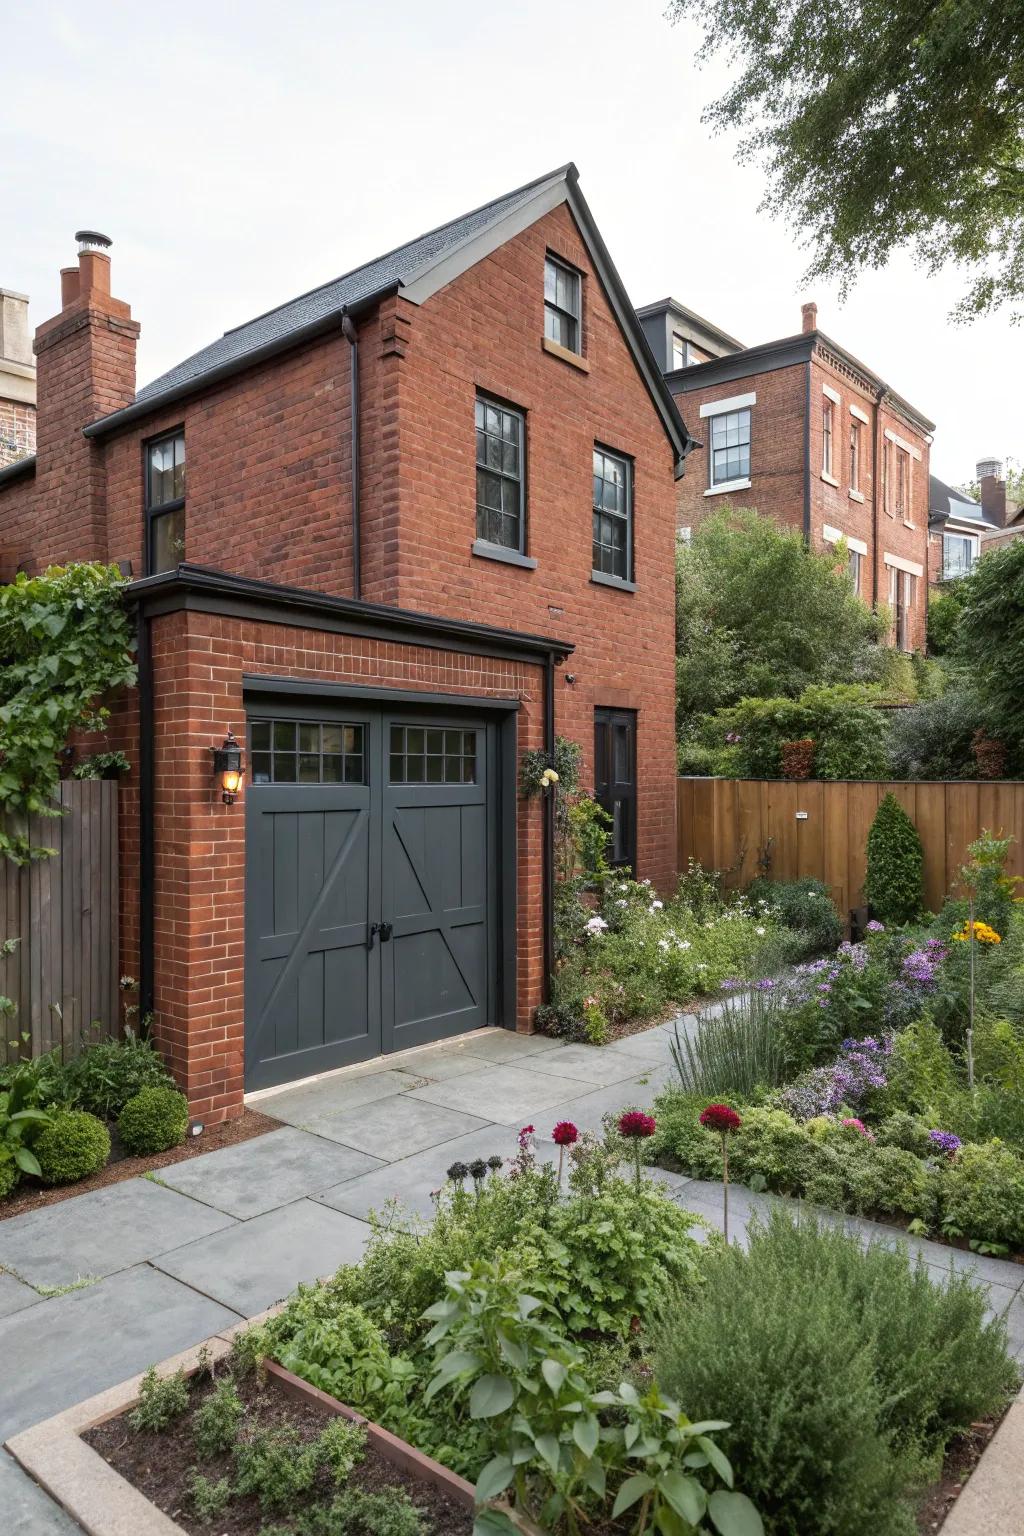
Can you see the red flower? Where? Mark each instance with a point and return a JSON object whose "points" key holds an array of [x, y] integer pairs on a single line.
{"points": [[635, 1124], [564, 1134], [719, 1117]]}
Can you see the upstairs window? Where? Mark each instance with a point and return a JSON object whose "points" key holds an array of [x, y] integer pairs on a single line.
{"points": [[854, 455], [903, 486], [680, 351], [165, 502], [613, 515], [902, 598], [562, 293], [827, 421], [856, 566], [958, 552], [500, 499], [730, 447]]}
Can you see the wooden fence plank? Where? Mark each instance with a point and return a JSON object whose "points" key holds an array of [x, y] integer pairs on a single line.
{"points": [[930, 820]]}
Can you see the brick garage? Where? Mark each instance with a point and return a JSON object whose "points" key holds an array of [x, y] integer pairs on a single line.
{"points": [[267, 423]]}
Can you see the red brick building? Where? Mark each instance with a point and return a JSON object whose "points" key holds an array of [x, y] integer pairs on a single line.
{"points": [[802, 431], [393, 533]]}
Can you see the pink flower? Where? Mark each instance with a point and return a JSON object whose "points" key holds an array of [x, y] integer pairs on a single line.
{"points": [[636, 1125], [565, 1134], [851, 1123], [719, 1117]]}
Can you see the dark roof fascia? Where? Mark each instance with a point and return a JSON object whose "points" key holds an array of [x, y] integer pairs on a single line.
{"points": [[18, 469], [692, 318], [939, 519], [913, 415], [629, 325], [764, 358], [205, 590], [206, 381]]}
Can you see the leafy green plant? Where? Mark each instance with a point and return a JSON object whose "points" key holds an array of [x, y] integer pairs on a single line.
{"points": [[274, 1466], [983, 1194], [341, 1446], [990, 635], [216, 1420], [209, 1498], [805, 907], [66, 642], [21, 1123], [161, 1400], [101, 765], [355, 1512], [110, 1072], [73, 1145], [153, 1120], [894, 884]]}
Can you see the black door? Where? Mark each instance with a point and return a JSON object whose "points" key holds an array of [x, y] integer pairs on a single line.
{"points": [[371, 863], [615, 780]]}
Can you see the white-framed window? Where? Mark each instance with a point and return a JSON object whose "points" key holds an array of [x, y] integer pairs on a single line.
{"points": [[902, 485], [854, 454], [563, 287], [680, 351], [729, 457], [828, 413], [959, 552]]}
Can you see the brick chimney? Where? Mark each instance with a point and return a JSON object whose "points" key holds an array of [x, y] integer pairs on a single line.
{"points": [[993, 491], [17, 380], [809, 316], [86, 368]]}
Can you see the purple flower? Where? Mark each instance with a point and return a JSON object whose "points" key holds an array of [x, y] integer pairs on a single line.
{"points": [[764, 985], [945, 1142], [731, 984], [875, 927]]}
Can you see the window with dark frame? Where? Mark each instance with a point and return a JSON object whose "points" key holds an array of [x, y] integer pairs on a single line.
{"points": [[730, 447], [307, 752], [419, 754], [615, 787], [165, 502], [562, 293], [854, 455], [613, 515], [902, 597], [500, 498]]}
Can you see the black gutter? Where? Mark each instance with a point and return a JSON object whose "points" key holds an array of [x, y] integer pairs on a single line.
{"points": [[147, 856], [807, 453], [205, 589], [211, 376], [351, 335], [877, 486], [20, 467], [548, 868]]}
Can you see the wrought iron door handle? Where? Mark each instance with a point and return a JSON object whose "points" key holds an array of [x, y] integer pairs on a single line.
{"points": [[385, 931]]}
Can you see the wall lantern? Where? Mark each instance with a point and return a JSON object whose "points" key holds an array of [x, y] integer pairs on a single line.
{"points": [[227, 767]]}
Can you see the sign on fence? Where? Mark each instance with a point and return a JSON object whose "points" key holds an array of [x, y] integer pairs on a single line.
{"points": [[63, 975]]}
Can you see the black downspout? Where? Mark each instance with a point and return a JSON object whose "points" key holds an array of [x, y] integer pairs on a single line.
{"points": [[548, 882], [147, 861], [877, 490], [351, 335], [807, 453]]}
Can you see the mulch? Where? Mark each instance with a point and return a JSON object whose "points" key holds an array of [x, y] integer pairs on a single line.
{"points": [[962, 1457], [158, 1465], [30, 1195]]}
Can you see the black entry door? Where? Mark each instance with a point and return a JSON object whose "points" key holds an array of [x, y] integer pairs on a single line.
{"points": [[371, 863], [615, 780]]}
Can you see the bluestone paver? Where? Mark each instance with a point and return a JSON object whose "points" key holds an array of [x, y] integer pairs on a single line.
{"points": [[435, 1064], [587, 1110], [398, 1126], [15, 1295], [259, 1262], [329, 1096], [506, 1045], [102, 1232], [272, 1170], [592, 1068], [72, 1346], [504, 1093], [25, 1510]]}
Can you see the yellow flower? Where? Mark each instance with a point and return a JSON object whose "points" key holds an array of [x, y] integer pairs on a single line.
{"points": [[982, 933]]}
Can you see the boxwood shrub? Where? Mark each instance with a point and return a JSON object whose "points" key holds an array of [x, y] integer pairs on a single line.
{"points": [[74, 1145], [152, 1121]]}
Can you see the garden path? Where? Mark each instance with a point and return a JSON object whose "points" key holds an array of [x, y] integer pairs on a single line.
{"points": [[96, 1288]]}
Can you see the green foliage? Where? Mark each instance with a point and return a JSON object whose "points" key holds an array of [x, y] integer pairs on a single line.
{"points": [[734, 1050], [22, 1121], [845, 1372], [274, 1466], [983, 1195], [341, 1446], [65, 643], [881, 127], [154, 1119], [758, 615], [161, 1400], [215, 1422], [894, 885], [10, 1173], [680, 1141], [358, 1513], [74, 1145], [990, 638], [209, 1498], [101, 765], [921, 1071], [944, 609], [849, 731], [907, 1131], [932, 739], [805, 907], [110, 1072]]}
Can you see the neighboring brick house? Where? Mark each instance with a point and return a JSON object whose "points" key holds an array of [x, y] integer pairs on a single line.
{"points": [[17, 380], [369, 527], [802, 431]]}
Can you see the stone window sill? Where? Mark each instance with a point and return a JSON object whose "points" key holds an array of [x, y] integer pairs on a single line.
{"points": [[726, 487], [498, 552], [601, 579], [572, 358], [829, 479], [856, 495]]}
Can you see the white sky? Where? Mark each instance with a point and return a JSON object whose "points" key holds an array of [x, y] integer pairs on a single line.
{"points": [[239, 154]]}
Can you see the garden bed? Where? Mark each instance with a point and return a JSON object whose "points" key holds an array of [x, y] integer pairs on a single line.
{"points": [[962, 1457], [31, 1195]]}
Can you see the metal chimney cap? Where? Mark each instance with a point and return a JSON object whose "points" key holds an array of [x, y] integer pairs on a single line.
{"points": [[989, 467], [92, 240]]}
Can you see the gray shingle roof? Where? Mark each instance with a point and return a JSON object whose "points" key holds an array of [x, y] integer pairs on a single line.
{"points": [[396, 267]]}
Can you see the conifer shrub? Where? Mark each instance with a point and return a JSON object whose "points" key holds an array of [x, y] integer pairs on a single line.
{"points": [[894, 885]]}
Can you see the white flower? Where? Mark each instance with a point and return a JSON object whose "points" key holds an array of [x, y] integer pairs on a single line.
{"points": [[656, 906], [685, 944], [622, 903], [595, 925], [759, 932], [645, 882], [663, 944]]}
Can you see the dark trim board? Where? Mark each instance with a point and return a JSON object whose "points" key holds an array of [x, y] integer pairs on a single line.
{"points": [[296, 687]]}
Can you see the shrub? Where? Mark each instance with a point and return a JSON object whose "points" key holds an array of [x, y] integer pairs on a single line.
{"points": [[10, 1173], [71, 1147], [106, 1075], [906, 1131], [983, 1194], [894, 884], [849, 733], [680, 1140], [944, 609], [920, 1070], [888, 1180], [161, 1399], [840, 1368], [932, 739], [152, 1121], [772, 1144], [215, 1422], [804, 906], [358, 1513], [209, 1499], [274, 1467]]}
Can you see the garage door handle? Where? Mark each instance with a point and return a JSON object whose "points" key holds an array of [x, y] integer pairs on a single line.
{"points": [[384, 929]]}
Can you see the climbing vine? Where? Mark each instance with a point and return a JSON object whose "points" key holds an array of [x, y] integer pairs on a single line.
{"points": [[65, 643]]}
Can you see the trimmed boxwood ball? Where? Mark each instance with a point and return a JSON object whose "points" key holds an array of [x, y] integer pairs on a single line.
{"points": [[9, 1173], [71, 1147], [155, 1119]]}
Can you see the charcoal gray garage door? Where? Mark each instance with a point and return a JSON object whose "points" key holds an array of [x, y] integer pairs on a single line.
{"points": [[371, 851]]}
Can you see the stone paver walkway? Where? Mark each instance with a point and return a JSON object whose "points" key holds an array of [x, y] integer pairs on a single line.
{"points": [[102, 1285]]}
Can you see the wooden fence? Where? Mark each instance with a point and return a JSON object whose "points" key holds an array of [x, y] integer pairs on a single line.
{"points": [[64, 910], [811, 827]]}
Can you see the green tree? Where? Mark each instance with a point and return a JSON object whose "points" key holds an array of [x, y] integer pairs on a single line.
{"points": [[894, 884], [884, 124], [990, 637], [758, 615]]}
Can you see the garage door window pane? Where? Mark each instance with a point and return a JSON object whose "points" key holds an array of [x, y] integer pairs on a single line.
{"points": [[449, 758], [261, 767], [259, 739], [284, 767], [306, 752]]}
